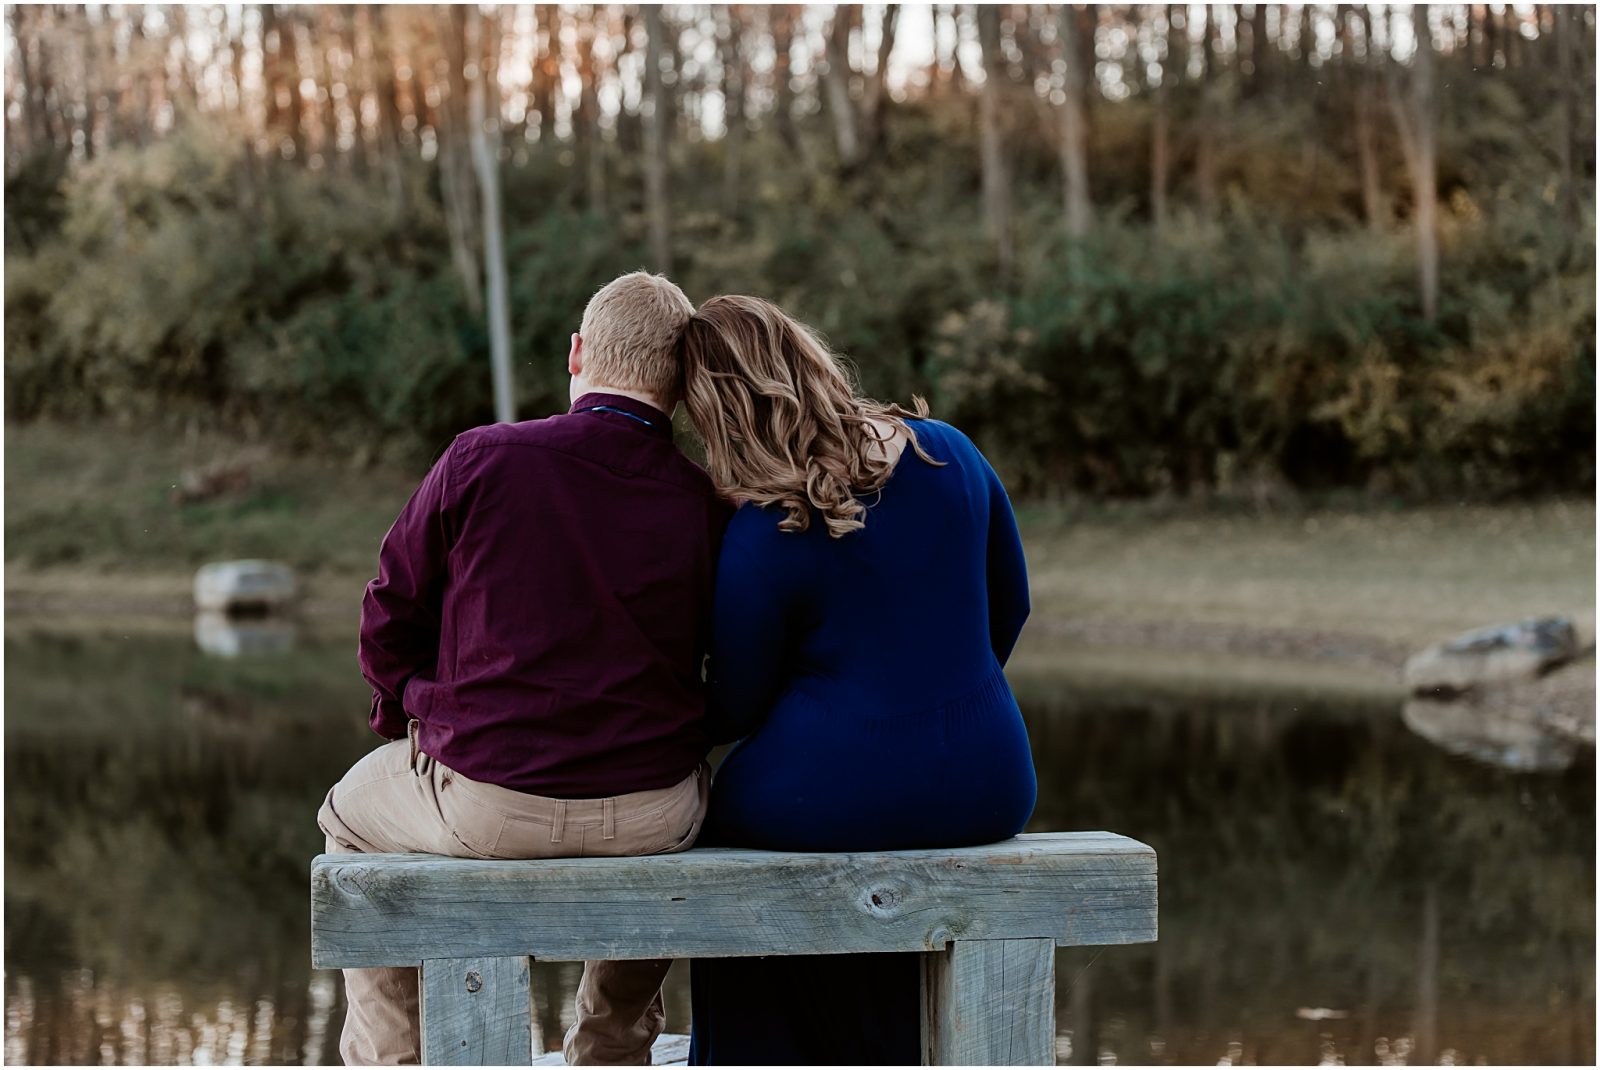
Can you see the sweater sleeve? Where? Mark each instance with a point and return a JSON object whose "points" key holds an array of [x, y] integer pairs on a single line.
{"points": [[749, 643], [1007, 570]]}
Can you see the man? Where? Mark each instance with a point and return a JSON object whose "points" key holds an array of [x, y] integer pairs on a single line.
{"points": [[534, 642]]}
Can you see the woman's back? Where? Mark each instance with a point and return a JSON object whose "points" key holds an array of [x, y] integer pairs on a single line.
{"points": [[866, 669]]}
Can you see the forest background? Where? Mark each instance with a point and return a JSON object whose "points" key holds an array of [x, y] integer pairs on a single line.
{"points": [[1133, 249]]}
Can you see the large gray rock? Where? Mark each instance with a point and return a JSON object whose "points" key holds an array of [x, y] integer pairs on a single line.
{"points": [[1501, 654], [243, 586]]}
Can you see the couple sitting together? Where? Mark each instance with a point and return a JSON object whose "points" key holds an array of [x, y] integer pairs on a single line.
{"points": [[537, 643]]}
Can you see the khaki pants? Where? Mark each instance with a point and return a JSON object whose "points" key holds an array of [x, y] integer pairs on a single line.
{"points": [[397, 799]]}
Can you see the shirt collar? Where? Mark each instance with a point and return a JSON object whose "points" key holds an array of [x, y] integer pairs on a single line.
{"points": [[643, 415]]}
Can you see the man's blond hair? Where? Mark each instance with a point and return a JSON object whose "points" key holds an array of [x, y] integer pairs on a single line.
{"points": [[630, 333]]}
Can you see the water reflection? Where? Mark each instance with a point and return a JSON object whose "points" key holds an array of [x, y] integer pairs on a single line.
{"points": [[1493, 728], [166, 1027], [1315, 854], [228, 636]]}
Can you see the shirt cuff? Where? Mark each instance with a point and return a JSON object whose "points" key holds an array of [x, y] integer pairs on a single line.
{"points": [[388, 717]]}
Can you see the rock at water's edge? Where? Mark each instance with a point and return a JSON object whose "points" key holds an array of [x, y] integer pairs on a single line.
{"points": [[242, 586], [1500, 654]]}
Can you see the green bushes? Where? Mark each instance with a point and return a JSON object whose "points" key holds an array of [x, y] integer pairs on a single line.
{"points": [[181, 286], [1141, 365]]}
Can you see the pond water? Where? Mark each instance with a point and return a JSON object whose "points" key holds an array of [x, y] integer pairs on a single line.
{"points": [[1334, 887]]}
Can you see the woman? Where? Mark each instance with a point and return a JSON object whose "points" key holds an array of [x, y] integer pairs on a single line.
{"points": [[869, 590]]}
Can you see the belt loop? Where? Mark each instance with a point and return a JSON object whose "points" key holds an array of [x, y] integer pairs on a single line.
{"points": [[411, 733], [560, 824], [608, 819]]}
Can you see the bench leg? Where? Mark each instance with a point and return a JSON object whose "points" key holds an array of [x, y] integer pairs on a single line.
{"points": [[990, 1003], [475, 1012]]}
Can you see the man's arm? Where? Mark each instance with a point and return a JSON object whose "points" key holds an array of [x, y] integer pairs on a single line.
{"points": [[401, 611]]}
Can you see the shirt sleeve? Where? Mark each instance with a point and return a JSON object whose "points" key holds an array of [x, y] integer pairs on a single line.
{"points": [[1007, 571], [401, 611], [749, 640]]}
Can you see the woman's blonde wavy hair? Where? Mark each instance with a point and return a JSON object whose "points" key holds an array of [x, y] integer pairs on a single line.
{"points": [[780, 416]]}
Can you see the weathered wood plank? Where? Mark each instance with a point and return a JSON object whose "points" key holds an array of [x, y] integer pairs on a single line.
{"points": [[396, 910], [989, 1003], [670, 1049], [475, 1012]]}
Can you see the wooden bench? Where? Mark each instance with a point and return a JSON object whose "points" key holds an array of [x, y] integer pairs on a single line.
{"points": [[986, 919]]}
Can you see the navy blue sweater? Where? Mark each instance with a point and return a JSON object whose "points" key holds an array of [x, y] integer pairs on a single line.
{"points": [[863, 674], [862, 677]]}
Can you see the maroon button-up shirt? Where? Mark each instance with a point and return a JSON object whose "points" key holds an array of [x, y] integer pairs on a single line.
{"points": [[543, 605]]}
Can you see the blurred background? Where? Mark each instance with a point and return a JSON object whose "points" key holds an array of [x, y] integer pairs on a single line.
{"points": [[1277, 319]]}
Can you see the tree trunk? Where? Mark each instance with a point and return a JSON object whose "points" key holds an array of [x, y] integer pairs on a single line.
{"points": [[154, 84], [1074, 126], [1160, 128], [327, 102], [89, 85], [486, 157], [236, 70], [589, 119], [290, 29], [1566, 44], [630, 124], [187, 92], [1366, 106], [836, 82], [1260, 47], [455, 163], [388, 104], [104, 126], [782, 21], [546, 69], [655, 143], [991, 106], [946, 45], [877, 92], [731, 51], [1205, 151], [1414, 116], [356, 86], [139, 83], [1425, 179], [31, 93], [271, 71]]}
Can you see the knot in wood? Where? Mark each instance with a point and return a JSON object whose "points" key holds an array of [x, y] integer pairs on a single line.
{"points": [[474, 980], [884, 899]]}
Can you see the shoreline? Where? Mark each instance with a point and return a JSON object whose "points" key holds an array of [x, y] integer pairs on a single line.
{"points": [[1178, 653], [1116, 648]]}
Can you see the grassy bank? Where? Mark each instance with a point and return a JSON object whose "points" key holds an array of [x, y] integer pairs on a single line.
{"points": [[91, 526], [92, 521], [1389, 575]]}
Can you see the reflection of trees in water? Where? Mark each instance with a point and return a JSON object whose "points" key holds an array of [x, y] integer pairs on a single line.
{"points": [[156, 851], [1301, 843], [164, 1025]]}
